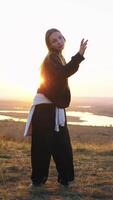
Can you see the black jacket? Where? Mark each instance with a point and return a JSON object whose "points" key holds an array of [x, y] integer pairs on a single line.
{"points": [[55, 74]]}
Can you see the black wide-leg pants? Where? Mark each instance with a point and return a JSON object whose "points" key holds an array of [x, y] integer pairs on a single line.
{"points": [[46, 143]]}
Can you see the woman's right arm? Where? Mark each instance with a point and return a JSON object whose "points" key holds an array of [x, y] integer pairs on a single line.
{"points": [[54, 65]]}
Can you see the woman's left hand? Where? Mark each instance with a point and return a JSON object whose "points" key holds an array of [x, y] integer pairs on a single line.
{"points": [[83, 47]]}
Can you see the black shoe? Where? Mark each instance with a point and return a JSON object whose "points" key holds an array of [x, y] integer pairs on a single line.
{"points": [[34, 187], [64, 183], [64, 186], [39, 181], [36, 184]]}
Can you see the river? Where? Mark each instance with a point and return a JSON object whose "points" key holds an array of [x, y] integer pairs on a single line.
{"points": [[74, 118]]}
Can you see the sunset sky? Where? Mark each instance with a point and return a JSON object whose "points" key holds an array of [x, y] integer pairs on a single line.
{"points": [[23, 24]]}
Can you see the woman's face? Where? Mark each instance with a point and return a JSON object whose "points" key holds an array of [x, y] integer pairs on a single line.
{"points": [[57, 41]]}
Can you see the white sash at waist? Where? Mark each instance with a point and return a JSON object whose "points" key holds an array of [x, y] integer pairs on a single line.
{"points": [[41, 99]]}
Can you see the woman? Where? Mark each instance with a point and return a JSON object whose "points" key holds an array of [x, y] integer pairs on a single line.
{"points": [[50, 136]]}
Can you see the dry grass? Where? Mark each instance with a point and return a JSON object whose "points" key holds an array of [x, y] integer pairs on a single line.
{"points": [[93, 161]]}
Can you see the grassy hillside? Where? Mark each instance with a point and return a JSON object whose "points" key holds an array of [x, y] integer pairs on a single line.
{"points": [[93, 161]]}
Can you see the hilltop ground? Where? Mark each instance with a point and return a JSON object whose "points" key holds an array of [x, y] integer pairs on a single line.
{"points": [[93, 161]]}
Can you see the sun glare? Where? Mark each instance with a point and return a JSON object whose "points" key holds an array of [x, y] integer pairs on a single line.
{"points": [[40, 80]]}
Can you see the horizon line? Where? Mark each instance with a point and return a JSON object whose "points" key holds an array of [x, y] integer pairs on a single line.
{"points": [[29, 100]]}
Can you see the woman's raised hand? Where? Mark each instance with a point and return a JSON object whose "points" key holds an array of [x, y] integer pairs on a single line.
{"points": [[83, 46]]}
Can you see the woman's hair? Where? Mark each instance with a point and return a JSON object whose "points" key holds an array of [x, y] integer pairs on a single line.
{"points": [[47, 35]]}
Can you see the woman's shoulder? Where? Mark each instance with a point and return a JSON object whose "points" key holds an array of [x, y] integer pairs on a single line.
{"points": [[51, 57]]}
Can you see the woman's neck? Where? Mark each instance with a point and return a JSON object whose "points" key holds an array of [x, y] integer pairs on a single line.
{"points": [[56, 51]]}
